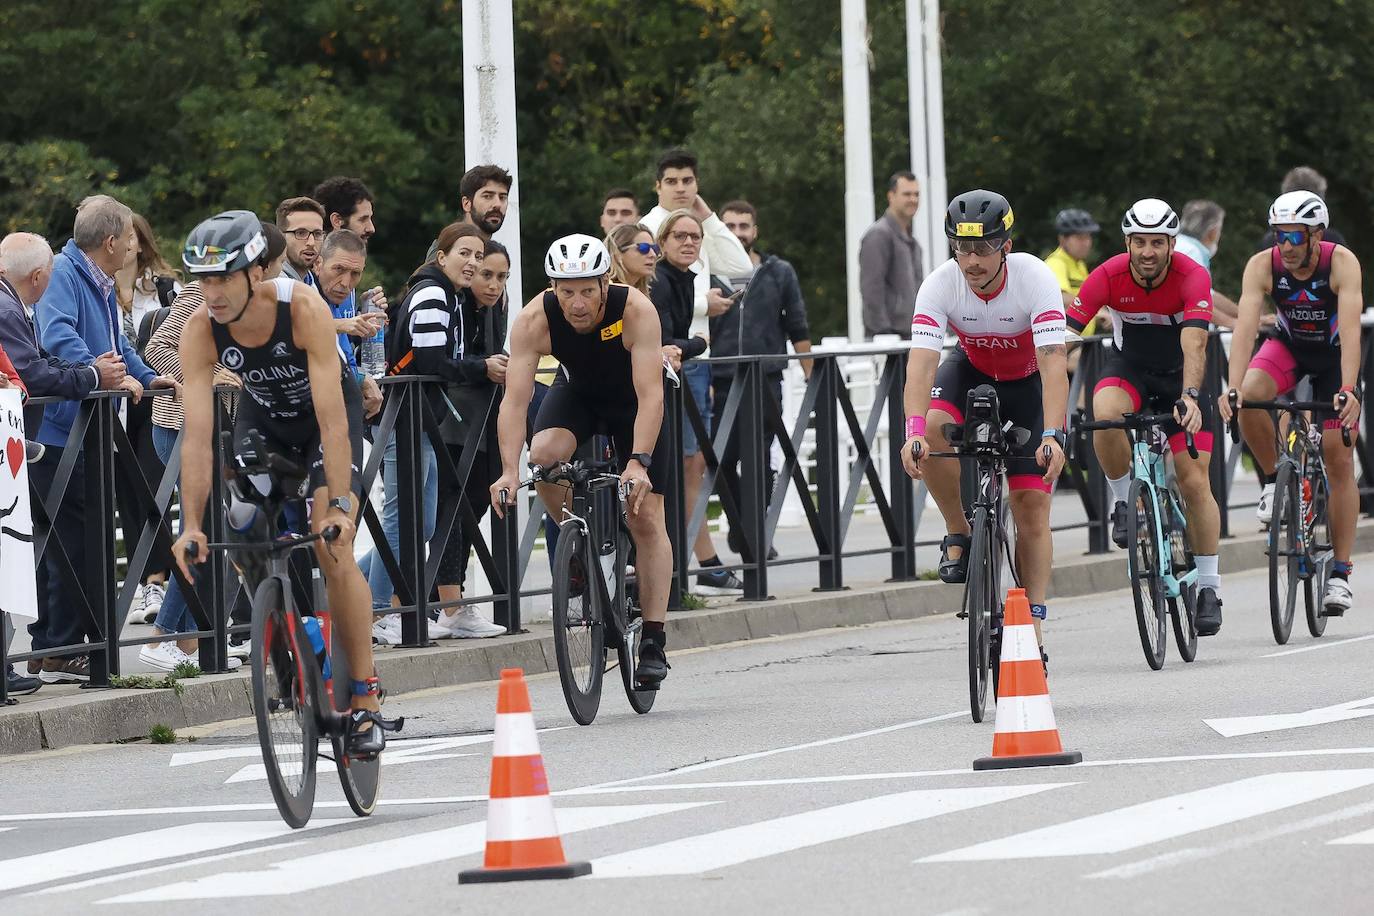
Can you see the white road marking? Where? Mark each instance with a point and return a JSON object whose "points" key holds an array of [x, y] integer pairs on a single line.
{"points": [[736, 845], [138, 849], [1255, 725], [1320, 645], [158, 869], [758, 755], [1363, 838], [1182, 856], [394, 746], [338, 866], [256, 772], [1165, 818]]}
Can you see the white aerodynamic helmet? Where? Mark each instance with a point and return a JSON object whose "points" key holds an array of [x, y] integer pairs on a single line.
{"points": [[1302, 208], [1150, 216], [577, 256]]}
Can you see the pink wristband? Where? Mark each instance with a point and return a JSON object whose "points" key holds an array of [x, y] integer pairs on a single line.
{"points": [[915, 426]]}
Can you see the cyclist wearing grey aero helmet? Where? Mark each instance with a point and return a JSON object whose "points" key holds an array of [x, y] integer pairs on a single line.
{"points": [[608, 340], [279, 337]]}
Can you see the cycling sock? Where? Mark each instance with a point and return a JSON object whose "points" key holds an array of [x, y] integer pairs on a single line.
{"points": [[1207, 572], [1340, 569], [1121, 487], [1038, 611], [714, 561], [1265, 479], [654, 632]]}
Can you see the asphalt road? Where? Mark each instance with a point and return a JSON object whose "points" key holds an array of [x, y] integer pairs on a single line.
{"points": [[814, 774]]}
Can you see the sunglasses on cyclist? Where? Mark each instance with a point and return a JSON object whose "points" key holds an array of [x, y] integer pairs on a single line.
{"points": [[1292, 237], [977, 246], [643, 248]]}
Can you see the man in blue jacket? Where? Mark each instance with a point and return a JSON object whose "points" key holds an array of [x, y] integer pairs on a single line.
{"points": [[78, 321]]}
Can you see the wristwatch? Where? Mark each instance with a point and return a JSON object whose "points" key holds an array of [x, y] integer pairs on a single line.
{"points": [[342, 503], [1056, 434], [1192, 393], [644, 459]]}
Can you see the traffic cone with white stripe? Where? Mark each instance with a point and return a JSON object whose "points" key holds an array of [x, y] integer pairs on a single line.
{"points": [[1025, 734], [522, 837]]}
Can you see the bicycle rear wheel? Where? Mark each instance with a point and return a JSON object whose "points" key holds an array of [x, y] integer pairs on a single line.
{"points": [[285, 692], [629, 621], [1146, 585], [1183, 613], [361, 779], [1285, 552], [578, 631], [979, 595], [1319, 557]]}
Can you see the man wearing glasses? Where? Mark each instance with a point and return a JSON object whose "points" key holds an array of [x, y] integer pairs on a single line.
{"points": [[1007, 312], [1315, 285], [301, 220]]}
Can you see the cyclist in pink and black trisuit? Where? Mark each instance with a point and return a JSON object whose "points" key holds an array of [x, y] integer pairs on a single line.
{"points": [[1007, 311], [1161, 304], [1315, 286]]}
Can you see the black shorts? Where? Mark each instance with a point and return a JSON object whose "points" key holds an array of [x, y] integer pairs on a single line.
{"points": [[1155, 392], [1019, 401], [565, 407], [299, 439]]}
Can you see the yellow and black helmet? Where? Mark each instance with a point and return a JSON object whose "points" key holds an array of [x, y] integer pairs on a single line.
{"points": [[978, 214]]}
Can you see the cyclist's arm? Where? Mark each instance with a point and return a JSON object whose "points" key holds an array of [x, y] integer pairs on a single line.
{"points": [[1345, 282], [1254, 287], [928, 324], [642, 339], [528, 341], [313, 330], [1079, 314], [1048, 332], [197, 354], [1197, 321]]}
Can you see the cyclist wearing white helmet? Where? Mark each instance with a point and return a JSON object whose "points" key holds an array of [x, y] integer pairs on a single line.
{"points": [[1315, 286], [608, 339], [1161, 305]]}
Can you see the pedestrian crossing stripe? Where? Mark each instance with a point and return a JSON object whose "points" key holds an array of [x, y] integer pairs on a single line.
{"points": [[1364, 838]]}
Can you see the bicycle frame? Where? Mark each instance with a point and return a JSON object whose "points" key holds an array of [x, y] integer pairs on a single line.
{"points": [[1148, 465]]}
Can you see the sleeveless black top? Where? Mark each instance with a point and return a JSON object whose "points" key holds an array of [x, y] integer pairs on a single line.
{"points": [[596, 363], [1306, 309], [275, 375]]}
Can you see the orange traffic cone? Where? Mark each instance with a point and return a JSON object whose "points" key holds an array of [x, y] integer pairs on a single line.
{"points": [[1025, 734], [522, 836]]}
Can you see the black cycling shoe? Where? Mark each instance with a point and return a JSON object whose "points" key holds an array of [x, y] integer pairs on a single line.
{"points": [[653, 665], [1208, 612], [365, 743], [954, 571], [1119, 525], [1045, 661]]}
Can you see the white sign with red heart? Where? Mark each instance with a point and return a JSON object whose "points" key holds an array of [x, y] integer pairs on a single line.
{"points": [[19, 596]]}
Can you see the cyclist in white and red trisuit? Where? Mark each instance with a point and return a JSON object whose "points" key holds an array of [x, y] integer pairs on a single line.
{"points": [[1006, 309], [1161, 305], [1315, 285]]}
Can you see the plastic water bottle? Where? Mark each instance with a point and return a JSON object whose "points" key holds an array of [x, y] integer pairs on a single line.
{"points": [[316, 635], [374, 347]]}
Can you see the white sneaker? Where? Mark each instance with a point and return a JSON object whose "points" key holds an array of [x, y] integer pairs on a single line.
{"points": [[135, 617], [163, 656], [241, 651], [466, 624], [231, 664], [1265, 510], [1338, 598], [386, 631], [153, 595]]}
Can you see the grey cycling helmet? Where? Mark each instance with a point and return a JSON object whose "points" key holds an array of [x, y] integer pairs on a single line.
{"points": [[1074, 220], [223, 244]]}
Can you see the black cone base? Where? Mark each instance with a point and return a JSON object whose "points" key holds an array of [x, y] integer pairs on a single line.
{"points": [[544, 873], [1061, 759]]}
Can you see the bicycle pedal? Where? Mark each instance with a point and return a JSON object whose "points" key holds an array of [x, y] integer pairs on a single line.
{"points": [[962, 615]]}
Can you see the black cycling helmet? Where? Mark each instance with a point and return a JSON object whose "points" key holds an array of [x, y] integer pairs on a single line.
{"points": [[978, 214], [227, 242], [1074, 220]]}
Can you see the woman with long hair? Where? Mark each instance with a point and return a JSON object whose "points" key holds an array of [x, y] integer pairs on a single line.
{"points": [[634, 255]]}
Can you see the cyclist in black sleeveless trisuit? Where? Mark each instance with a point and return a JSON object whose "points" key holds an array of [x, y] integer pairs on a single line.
{"points": [[279, 338], [608, 340]]}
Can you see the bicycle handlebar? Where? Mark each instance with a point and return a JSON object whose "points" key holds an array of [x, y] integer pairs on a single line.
{"points": [[328, 535], [1285, 405], [1136, 421]]}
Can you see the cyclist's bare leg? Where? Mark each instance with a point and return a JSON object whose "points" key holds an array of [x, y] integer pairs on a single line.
{"points": [[1112, 447], [1344, 507], [549, 447], [653, 557], [942, 479], [1194, 485], [350, 602], [1030, 509], [1256, 427]]}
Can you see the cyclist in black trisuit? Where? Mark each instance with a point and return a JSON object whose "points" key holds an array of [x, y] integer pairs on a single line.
{"points": [[608, 340], [279, 337]]}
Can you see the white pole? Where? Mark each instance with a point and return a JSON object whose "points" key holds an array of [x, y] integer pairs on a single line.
{"points": [[916, 118], [858, 151], [936, 193], [489, 112]]}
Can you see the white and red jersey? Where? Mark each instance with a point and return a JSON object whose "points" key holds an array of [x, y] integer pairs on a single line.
{"points": [[998, 332]]}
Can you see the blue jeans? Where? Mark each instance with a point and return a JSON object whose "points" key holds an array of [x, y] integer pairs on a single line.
{"points": [[175, 616], [698, 376], [378, 579]]}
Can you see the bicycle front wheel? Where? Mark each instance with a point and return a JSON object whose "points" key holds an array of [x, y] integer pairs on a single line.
{"points": [[285, 691], [578, 631], [979, 597], [1285, 552], [1144, 560]]}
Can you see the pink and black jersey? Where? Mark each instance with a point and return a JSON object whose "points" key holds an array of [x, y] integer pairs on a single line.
{"points": [[1146, 322], [998, 332], [1307, 319]]}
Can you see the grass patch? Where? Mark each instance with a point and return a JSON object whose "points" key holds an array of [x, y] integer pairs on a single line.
{"points": [[692, 602], [162, 734], [928, 575], [170, 681]]}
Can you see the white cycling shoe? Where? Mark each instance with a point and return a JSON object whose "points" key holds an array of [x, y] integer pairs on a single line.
{"points": [[1338, 598], [1265, 510]]}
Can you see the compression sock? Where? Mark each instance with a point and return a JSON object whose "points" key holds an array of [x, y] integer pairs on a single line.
{"points": [[714, 561], [1265, 479], [654, 632], [1340, 569], [1207, 572], [1121, 487]]}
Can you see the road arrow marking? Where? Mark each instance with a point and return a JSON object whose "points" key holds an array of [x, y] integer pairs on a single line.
{"points": [[1254, 725]]}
